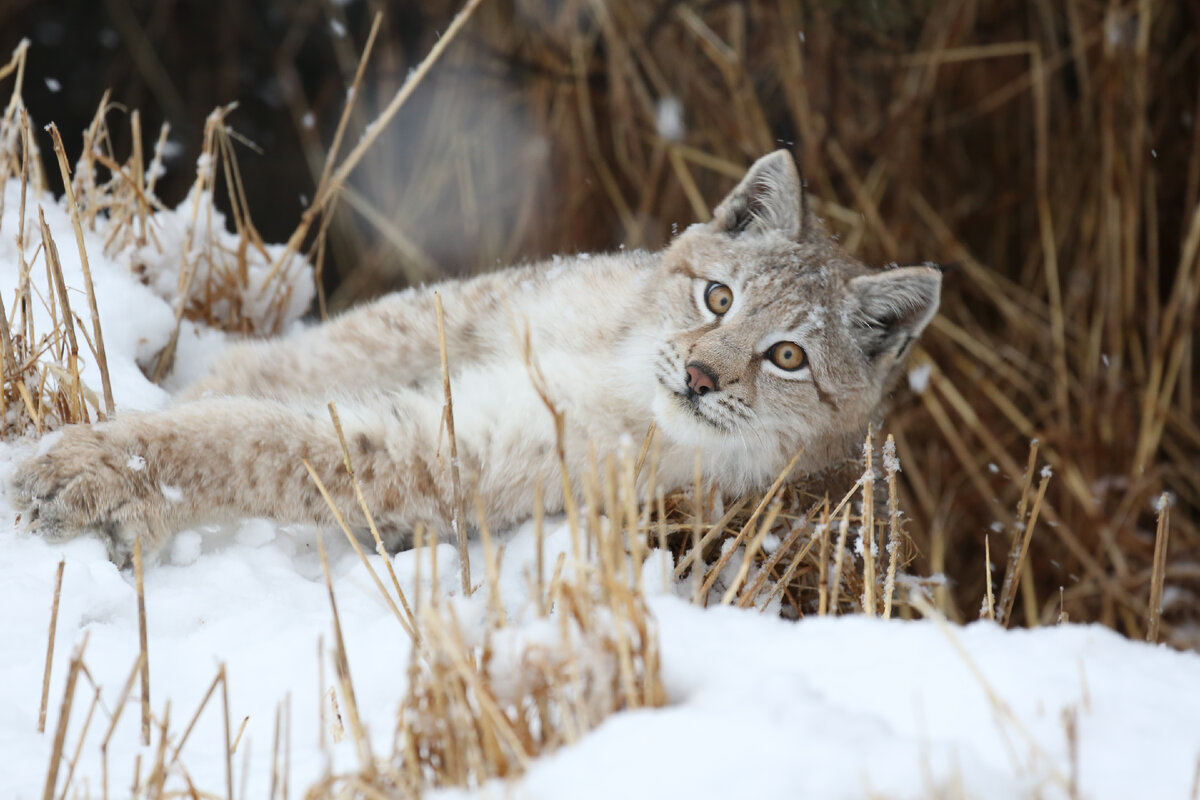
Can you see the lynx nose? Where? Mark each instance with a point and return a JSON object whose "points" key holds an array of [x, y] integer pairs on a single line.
{"points": [[699, 379]]}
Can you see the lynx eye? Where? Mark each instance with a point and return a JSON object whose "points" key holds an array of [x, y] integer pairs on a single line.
{"points": [[787, 355], [718, 297]]}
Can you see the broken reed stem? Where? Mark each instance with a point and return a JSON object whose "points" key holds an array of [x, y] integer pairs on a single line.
{"points": [[98, 336], [241, 729], [641, 459], [64, 716], [75, 401], [838, 554], [353, 94], [87, 723], [868, 528], [212, 687], [634, 529], [342, 667], [891, 465], [225, 713], [145, 653], [362, 502], [538, 379], [823, 566], [539, 536], [694, 555], [751, 551], [458, 520], [1017, 564], [491, 566], [350, 537], [989, 604], [58, 577], [118, 709], [697, 524], [782, 584], [1016, 550], [660, 507], [1159, 575], [187, 266], [157, 778]]}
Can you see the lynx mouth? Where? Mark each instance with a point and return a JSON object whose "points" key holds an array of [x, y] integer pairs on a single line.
{"points": [[692, 404]]}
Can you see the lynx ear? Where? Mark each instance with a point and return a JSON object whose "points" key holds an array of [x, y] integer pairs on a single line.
{"points": [[891, 308], [770, 197]]}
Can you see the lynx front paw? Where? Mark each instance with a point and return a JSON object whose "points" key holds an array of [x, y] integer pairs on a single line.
{"points": [[85, 482]]}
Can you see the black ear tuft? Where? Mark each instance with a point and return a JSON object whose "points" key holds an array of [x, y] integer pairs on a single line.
{"points": [[770, 197], [892, 307]]}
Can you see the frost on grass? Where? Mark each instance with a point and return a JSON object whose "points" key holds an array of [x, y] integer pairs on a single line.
{"points": [[891, 462]]}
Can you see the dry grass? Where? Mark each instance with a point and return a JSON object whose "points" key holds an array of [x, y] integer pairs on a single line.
{"points": [[483, 705]]}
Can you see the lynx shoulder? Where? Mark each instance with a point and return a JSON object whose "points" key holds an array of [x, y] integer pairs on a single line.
{"points": [[751, 338]]}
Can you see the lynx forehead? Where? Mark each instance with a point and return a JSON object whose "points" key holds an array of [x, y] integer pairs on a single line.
{"points": [[750, 339]]}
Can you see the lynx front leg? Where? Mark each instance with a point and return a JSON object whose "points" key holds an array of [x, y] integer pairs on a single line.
{"points": [[147, 476]]}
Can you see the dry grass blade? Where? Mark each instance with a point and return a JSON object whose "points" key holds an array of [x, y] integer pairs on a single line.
{"points": [[353, 540], [1159, 574], [97, 334], [988, 608], [891, 465], [362, 502], [64, 715], [838, 554], [458, 522], [342, 668], [58, 576], [143, 649], [751, 551], [868, 527], [1020, 551], [823, 578], [218, 679], [119, 709], [76, 407], [713, 573]]}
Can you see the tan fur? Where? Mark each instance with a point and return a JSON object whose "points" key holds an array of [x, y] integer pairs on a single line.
{"points": [[613, 336]]}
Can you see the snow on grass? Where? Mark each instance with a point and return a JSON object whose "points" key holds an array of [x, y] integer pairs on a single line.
{"points": [[758, 707]]}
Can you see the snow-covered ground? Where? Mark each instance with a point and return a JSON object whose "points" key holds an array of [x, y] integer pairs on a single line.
{"points": [[758, 707]]}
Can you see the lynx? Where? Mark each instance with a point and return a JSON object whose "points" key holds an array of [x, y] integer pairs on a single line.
{"points": [[749, 339]]}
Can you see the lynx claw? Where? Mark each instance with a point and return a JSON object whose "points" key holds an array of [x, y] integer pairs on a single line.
{"points": [[76, 486]]}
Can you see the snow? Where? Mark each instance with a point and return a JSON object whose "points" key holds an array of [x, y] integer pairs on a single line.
{"points": [[668, 119], [758, 706], [918, 378]]}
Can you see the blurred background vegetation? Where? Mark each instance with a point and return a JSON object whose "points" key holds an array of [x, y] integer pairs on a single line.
{"points": [[1046, 149]]}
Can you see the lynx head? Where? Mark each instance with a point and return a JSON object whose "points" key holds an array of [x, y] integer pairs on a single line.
{"points": [[774, 338]]}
